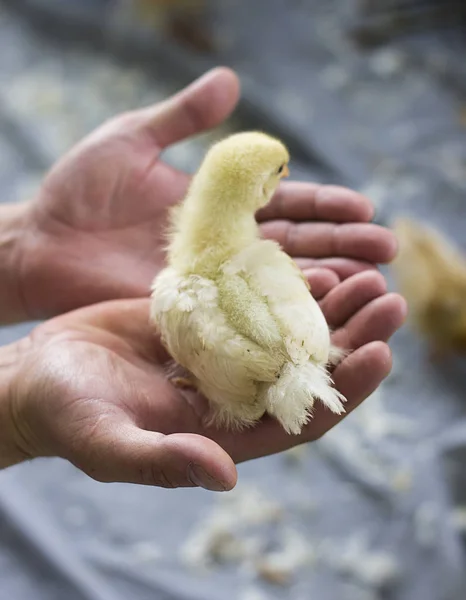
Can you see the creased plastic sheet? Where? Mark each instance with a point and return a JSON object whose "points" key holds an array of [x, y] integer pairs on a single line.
{"points": [[377, 508]]}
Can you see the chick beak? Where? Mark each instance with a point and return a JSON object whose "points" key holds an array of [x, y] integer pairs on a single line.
{"points": [[285, 172]]}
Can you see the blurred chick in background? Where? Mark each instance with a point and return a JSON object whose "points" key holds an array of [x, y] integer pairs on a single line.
{"points": [[181, 20], [235, 310], [431, 274]]}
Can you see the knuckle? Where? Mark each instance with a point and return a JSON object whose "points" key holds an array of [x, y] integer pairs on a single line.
{"points": [[154, 475], [291, 238]]}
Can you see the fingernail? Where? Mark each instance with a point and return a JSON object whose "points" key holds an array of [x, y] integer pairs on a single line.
{"points": [[201, 478]]}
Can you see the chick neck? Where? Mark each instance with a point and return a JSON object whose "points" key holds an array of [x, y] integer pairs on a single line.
{"points": [[208, 233]]}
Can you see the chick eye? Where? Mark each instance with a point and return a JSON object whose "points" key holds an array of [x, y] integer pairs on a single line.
{"points": [[280, 170]]}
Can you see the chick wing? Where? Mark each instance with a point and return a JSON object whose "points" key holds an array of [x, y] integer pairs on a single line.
{"points": [[272, 277]]}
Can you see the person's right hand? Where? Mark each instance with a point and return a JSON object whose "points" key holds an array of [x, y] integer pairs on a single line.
{"points": [[91, 387]]}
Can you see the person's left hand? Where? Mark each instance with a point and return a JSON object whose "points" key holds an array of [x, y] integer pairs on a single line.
{"points": [[91, 387], [95, 231]]}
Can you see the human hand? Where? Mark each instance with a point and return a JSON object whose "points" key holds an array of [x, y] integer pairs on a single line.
{"points": [[91, 387], [95, 230]]}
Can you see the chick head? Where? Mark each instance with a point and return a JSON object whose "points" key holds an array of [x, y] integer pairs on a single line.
{"points": [[250, 165]]}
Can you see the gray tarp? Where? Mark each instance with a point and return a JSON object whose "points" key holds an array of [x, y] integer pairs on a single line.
{"points": [[377, 508]]}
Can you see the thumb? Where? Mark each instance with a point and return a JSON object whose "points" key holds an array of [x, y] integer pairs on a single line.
{"points": [[202, 105], [132, 455]]}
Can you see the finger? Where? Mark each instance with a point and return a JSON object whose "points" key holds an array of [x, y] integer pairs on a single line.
{"points": [[378, 320], [343, 267], [363, 241], [321, 281], [125, 453], [343, 301], [202, 105], [356, 377], [298, 201]]}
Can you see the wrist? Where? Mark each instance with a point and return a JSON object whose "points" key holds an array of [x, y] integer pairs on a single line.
{"points": [[12, 449], [13, 226]]}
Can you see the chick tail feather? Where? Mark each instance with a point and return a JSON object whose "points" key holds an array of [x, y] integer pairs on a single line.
{"points": [[336, 355], [291, 398]]}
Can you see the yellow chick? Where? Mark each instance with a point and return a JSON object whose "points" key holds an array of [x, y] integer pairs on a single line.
{"points": [[235, 310], [431, 274]]}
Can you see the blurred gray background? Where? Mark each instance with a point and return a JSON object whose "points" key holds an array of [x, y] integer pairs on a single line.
{"points": [[367, 94]]}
